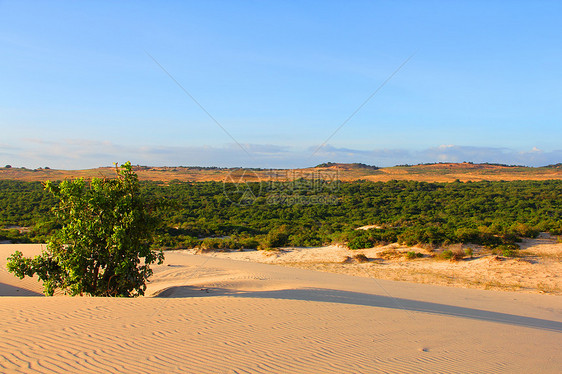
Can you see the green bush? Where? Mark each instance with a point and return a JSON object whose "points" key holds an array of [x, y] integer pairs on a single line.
{"points": [[211, 244], [249, 243], [277, 238], [103, 247], [454, 255], [446, 254], [359, 243], [506, 250], [412, 255]]}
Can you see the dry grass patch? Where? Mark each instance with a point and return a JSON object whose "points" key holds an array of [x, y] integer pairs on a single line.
{"points": [[390, 254], [360, 257]]}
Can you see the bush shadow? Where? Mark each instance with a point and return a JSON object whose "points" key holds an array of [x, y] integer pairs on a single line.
{"points": [[8, 290], [370, 300]]}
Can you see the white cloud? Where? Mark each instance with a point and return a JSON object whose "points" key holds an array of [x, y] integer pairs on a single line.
{"points": [[78, 153]]}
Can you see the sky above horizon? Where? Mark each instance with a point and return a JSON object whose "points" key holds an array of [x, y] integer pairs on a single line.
{"points": [[268, 84]]}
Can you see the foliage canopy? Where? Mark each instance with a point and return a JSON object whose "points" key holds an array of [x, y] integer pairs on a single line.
{"points": [[407, 212], [103, 247]]}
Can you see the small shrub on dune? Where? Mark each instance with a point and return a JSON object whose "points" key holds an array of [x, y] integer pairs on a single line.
{"points": [[103, 247], [360, 257], [456, 254], [412, 255], [446, 254], [506, 250]]}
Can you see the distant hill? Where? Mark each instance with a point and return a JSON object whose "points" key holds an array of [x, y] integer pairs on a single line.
{"points": [[437, 172], [356, 165]]}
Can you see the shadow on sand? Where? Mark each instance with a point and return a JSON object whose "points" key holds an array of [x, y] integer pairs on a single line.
{"points": [[8, 290], [364, 299]]}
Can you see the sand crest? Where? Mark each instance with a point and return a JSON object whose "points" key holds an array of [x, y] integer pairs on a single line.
{"points": [[214, 315]]}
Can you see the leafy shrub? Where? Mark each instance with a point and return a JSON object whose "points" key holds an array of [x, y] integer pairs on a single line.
{"points": [[276, 238], [422, 234], [506, 250], [468, 235], [453, 255], [481, 236], [412, 255], [468, 252], [359, 243], [249, 243], [555, 230], [211, 244], [188, 242], [524, 230], [103, 247], [304, 238], [446, 254]]}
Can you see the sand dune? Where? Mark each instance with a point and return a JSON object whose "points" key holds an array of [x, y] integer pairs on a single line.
{"points": [[213, 315], [538, 269]]}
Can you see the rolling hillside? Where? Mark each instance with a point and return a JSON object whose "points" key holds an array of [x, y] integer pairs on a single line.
{"points": [[442, 172]]}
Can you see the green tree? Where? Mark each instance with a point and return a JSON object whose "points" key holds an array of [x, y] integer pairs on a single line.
{"points": [[103, 247]]}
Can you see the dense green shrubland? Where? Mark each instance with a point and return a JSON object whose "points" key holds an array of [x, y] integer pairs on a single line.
{"points": [[409, 212]]}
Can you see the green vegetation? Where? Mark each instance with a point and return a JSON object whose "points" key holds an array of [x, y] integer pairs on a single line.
{"points": [[412, 255], [452, 254], [506, 250], [293, 213], [103, 245], [24, 203]]}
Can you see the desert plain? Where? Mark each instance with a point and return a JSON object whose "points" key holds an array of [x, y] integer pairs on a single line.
{"points": [[296, 311]]}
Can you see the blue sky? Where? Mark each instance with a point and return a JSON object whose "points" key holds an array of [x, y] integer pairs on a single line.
{"points": [[78, 88]]}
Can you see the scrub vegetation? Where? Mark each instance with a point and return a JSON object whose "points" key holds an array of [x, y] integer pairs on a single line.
{"points": [[214, 215]]}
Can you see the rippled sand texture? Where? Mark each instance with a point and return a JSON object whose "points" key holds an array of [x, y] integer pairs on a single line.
{"points": [[212, 315]]}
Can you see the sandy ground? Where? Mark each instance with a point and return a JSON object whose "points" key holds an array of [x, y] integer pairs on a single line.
{"points": [[538, 267], [205, 314]]}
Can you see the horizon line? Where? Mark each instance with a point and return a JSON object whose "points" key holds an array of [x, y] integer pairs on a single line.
{"points": [[324, 164]]}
